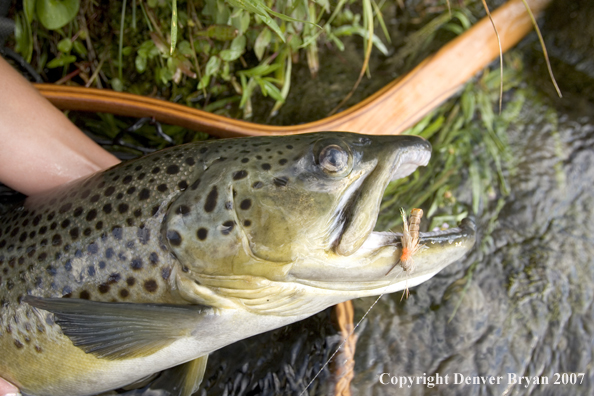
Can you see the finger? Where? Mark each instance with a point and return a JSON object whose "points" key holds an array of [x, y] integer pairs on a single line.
{"points": [[8, 389]]}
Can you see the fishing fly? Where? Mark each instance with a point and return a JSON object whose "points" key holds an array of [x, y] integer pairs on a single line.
{"points": [[409, 241]]}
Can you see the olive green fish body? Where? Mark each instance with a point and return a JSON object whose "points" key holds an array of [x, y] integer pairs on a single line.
{"points": [[164, 259]]}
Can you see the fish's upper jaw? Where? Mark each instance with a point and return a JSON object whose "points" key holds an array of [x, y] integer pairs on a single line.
{"points": [[410, 160]]}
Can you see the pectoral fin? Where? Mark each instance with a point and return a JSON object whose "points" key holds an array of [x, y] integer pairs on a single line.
{"points": [[121, 330]]}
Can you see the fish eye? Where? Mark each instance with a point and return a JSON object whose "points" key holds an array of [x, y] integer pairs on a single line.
{"points": [[334, 159]]}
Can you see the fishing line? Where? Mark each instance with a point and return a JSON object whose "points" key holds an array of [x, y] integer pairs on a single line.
{"points": [[342, 343]]}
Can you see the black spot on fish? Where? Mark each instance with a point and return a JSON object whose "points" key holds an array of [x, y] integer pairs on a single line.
{"points": [[124, 293], [246, 204], [131, 190], [65, 223], [122, 256], [109, 191], [259, 157], [23, 237], [139, 167], [117, 232], [91, 215], [289, 146], [36, 220], [190, 161], [154, 258], [203, 150], [91, 270], [53, 225], [74, 233], [247, 223], [120, 196], [101, 264], [57, 240], [283, 161], [144, 194], [155, 210], [137, 212], [123, 208], [78, 211], [172, 170], [87, 231], [85, 295], [99, 225], [78, 253], [127, 179], [166, 273], [103, 288], [162, 187], [211, 200], [109, 252], [18, 344], [68, 265], [156, 170], [280, 181], [94, 198], [182, 210], [202, 233], [42, 230], [239, 175], [131, 281], [174, 238], [42, 256], [107, 208], [101, 185], [245, 160], [227, 227], [266, 166], [114, 278], [65, 208], [182, 185], [51, 270], [93, 248], [151, 285], [141, 176]]}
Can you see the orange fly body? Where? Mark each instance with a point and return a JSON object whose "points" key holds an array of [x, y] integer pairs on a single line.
{"points": [[409, 239]]}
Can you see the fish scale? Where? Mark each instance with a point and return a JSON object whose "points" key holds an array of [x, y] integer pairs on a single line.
{"points": [[199, 245]]}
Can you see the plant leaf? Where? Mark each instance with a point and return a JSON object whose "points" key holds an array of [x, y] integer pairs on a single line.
{"points": [[53, 14]]}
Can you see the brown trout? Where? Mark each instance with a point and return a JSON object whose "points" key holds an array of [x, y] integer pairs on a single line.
{"points": [[157, 262]]}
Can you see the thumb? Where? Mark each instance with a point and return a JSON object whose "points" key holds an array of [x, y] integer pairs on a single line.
{"points": [[8, 389]]}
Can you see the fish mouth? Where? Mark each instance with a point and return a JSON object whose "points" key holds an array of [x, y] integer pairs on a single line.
{"points": [[359, 214], [465, 231]]}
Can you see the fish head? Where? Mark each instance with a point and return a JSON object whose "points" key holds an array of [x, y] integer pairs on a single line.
{"points": [[297, 208]]}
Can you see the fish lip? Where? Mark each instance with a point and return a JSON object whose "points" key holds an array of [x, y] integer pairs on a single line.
{"points": [[409, 161], [466, 230]]}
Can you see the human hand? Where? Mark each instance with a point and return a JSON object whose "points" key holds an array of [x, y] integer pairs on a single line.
{"points": [[41, 148], [8, 389]]}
